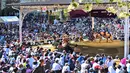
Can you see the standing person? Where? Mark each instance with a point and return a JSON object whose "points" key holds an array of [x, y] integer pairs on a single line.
{"points": [[56, 68], [117, 60], [123, 62], [112, 69], [109, 61], [118, 70], [7, 50], [85, 67], [40, 68], [128, 66], [66, 68], [95, 64], [29, 69], [76, 49], [80, 58], [77, 66], [31, 60], [124, 70]]}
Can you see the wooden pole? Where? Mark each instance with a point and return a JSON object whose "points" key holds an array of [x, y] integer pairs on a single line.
{"points": [[92, 23]]}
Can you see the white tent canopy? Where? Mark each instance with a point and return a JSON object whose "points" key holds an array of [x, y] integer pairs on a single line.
{"points": [[9, 19]]}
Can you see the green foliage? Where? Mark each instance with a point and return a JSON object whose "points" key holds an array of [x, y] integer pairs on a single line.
{"points": [[75, 4], [73, 0], [128, 5], [98, 1], [52, 17], [121, 4], [66, 14], [111, 9], [115, 1], [123, 15], [7, 10], [88, 7], [120, 11]]}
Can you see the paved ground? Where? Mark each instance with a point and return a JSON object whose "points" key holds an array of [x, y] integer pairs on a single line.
{"points": [[112, 48], [92, 48], [46, 47]]}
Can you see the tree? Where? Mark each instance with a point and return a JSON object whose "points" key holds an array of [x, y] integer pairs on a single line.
{"points": [[120, 9], [8, 11]]}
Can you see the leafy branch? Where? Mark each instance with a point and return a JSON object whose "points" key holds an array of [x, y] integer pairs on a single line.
{"points": [[120, 10]]}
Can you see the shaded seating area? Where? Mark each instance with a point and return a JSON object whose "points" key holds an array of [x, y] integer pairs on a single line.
{"points": [[78, 13], [101, 13], [9, 27], [9, 19]]}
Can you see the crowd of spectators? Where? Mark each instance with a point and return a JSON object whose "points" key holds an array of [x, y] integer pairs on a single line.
{"points": [[38, 28], [25, 59], [113, 25], [74, 28]]}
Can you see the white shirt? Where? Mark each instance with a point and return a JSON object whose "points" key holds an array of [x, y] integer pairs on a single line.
{"points": [[10, 53], [129, 56], [27, 50], [95, 64], [56, 66], [65, 68], [35, 66], [83, 67], [111, 70], [61, 61], [128, 67], [118, 70], [109, 63]]}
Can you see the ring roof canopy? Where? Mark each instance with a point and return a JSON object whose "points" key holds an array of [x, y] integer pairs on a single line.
{"points": [[46, 3]]}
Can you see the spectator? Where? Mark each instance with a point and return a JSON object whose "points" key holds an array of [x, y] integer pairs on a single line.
{"points": [[128, 66], [66, 68], [40, 68], [56, 68], [118, 70], [85, 67], [112, 69], [124, 70]]}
